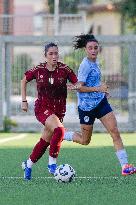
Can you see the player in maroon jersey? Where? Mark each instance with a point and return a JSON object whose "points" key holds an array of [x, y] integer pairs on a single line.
{"points": [[51, 79]]}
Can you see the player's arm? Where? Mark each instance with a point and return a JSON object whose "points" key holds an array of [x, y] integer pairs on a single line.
{"points": [[24, 105], [83, 73], [29, 75], [102, 88], [80, 87], [74, 84]]}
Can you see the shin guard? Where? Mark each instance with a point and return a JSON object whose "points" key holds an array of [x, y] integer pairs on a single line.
{"points": [[39, 150], [55, 142]]}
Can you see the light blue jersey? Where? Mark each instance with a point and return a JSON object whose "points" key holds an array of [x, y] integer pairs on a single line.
{"points": [[89, 73]]}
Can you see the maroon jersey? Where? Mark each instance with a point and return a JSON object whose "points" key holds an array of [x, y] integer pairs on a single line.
{"points": [[51, 86]]}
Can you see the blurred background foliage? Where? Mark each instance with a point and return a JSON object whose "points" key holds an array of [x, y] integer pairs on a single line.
{"points": [[128, 10]]}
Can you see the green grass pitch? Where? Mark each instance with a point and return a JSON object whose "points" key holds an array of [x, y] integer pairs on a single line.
{"points": [[98, 174]]}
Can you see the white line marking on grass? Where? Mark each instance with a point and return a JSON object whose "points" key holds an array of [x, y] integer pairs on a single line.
{"points": [[18, 137], [91, 177]]}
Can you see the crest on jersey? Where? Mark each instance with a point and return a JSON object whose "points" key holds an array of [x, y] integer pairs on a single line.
{"points": [[86, 118], [46, 112], [61, 80]]}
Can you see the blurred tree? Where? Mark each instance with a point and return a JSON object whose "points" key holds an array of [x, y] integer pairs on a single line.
{"points": [[67, 6], [20, 64], [128, 10], [74, 58]]}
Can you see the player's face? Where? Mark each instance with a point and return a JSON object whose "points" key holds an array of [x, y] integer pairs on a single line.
{"points": [[92, 49], [52, 55]]}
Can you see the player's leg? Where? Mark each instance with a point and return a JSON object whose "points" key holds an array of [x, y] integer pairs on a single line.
{"points": [[40, 148], [37, 152], [53, 135], [56, 127], [82, 138], [110, 123], [87, 119]]}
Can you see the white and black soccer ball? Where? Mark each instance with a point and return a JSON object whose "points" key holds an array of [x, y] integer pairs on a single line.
{"points": [[64, 173]]}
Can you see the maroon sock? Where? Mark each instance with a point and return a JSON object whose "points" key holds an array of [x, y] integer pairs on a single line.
{"points": [[55, 142], [39, 150]]}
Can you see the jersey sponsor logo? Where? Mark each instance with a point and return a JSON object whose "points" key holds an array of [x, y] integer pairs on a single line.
{"points": [[86, 118]]}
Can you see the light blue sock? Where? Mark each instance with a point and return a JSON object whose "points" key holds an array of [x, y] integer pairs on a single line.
{"points": [[122, 157], [68, 136]]}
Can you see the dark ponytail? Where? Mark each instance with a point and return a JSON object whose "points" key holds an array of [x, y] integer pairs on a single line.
{"points": [[81, 40]]}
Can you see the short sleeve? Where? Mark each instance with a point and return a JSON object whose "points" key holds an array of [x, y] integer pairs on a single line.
{"points": [[30, 74]]}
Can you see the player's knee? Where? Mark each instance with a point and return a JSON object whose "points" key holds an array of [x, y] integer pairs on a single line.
{"points": [[53, 122]]}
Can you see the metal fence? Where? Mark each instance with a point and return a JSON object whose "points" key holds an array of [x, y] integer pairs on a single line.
{"points": [[117, 59]]}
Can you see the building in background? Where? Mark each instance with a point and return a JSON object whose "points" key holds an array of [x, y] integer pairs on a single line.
{"points": [[24, 18], [6, 24], [34, 18], [102, 18]]}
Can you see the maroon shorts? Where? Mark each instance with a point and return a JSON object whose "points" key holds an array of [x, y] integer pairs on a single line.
{"points": [[43, 114]]}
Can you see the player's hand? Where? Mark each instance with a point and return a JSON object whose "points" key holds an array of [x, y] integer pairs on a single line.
{"points": [[103, 88], [76, 86], [24, 106], [70, 86], [108, 95]]}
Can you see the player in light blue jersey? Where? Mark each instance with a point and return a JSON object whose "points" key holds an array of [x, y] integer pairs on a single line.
{"points": [[93, 103], [89, 74]]}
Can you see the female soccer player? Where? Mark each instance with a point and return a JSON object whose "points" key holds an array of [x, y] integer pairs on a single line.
{"points": [[51, 79], [92, 102]]}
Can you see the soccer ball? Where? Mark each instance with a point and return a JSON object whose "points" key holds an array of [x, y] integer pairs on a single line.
{"points": [[64, 173]]}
